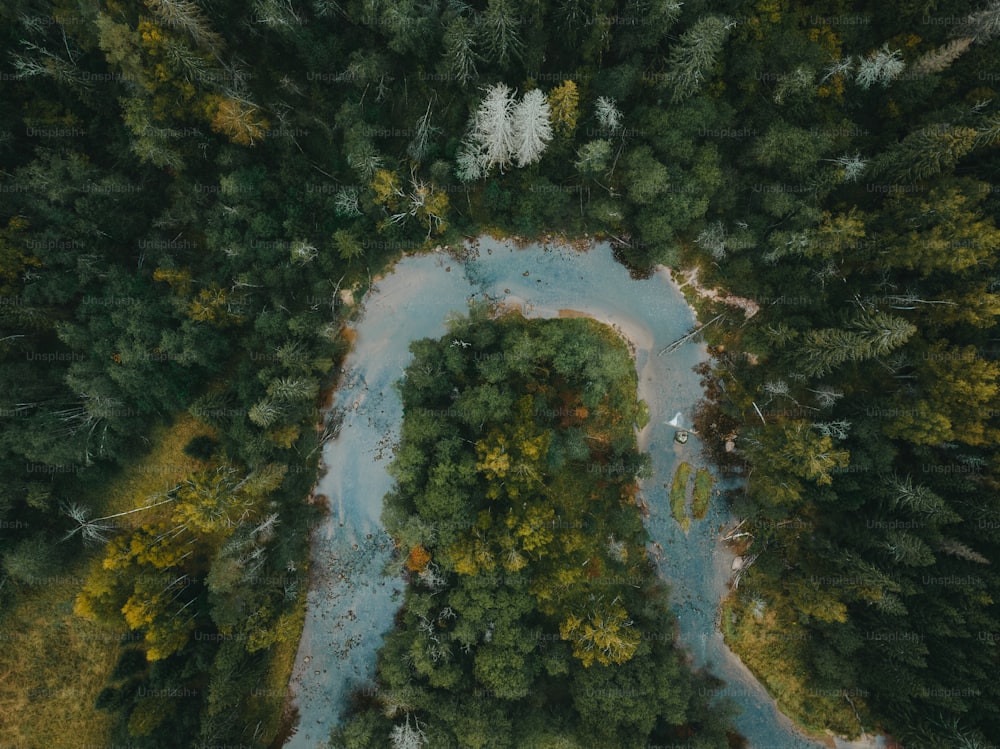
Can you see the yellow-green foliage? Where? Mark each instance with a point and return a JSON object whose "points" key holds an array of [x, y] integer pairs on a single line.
{"points": [[678, 495], [161, 469], [269, 702], [54, 666], [702, 493], [772, 645]]}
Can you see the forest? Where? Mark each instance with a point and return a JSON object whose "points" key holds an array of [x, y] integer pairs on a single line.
{"points": [[189, 187], [533, 615]]}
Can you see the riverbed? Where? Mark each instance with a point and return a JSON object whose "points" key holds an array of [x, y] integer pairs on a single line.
{"points": [[350, 603]]}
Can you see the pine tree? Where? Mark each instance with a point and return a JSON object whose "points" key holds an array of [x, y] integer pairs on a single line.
{"points": [[593, 158], [982, 25], [907, 549], [265, 413], [187, 17], [865, 337], [363, 158], [693, 56], [459, 50], [499, 29], [293, 389], [952, 405], [468, 164], [990, 134], [37, 60], [348, 247], [30, 561], [572, 13], [943, 231], [883, 332], [927, 152], [799, 81], [563, 101]]}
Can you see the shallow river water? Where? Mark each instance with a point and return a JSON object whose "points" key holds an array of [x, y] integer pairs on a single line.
{"points": [[351, 605]]}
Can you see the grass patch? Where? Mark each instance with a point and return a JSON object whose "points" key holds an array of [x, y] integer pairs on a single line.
{"points": [[776, 649], [643, 415], [162, 468], [678, 495], [702, 493], [274, 709], [54, 664]]}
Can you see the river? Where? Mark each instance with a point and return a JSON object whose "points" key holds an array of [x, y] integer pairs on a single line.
{"points": [[350, 604]]}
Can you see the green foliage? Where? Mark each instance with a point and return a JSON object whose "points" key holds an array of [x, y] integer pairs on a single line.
{"points": [[503, 605], [187, 187], [926, 153], [865, 337], [702, 493], [678, 494], [692, 58], [201, 447]]}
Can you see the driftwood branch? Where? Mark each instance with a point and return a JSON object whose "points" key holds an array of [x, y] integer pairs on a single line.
{"points": [[693, 333], [743, 568]]}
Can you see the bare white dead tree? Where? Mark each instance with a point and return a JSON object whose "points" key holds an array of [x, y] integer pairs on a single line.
{"points": [[881, 66], [532, 128]]}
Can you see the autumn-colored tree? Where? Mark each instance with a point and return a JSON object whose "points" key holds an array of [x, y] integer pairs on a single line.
{"points": [[239, 120], [417, 559], [147, 576], [209, 306], [513, 465], [564, 102], [952, 406], [945, 230], [604, 634]]}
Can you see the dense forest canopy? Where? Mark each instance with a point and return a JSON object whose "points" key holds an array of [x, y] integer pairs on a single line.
{"points": [[186, 188]]}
